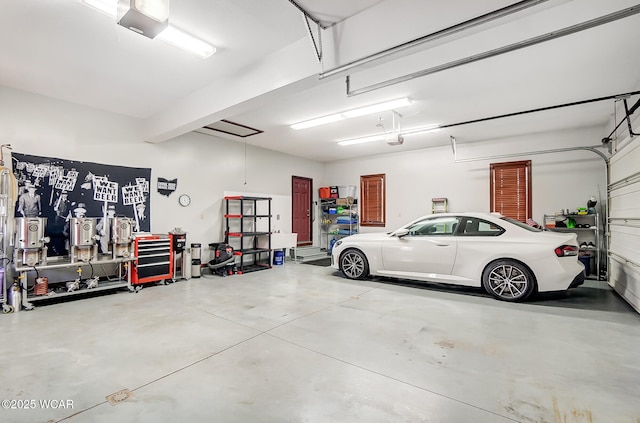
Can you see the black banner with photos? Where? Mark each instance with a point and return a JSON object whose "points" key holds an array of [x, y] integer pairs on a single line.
{"points": [[60, 189]]}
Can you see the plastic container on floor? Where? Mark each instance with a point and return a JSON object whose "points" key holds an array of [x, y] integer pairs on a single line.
{"points": [[586, 261], [278, 257]]}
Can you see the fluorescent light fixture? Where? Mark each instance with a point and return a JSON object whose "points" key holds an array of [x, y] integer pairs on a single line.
{"points": [[362, 140], [158, 10], [146, 17], [419, 131], [362, 111], [375, 108], [186, 42], [170, 35], [384, 137]]}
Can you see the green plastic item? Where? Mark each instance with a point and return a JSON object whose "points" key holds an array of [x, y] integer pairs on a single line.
{"points": [[571, 223]]}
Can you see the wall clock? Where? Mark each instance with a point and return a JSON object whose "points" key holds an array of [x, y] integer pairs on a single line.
{"points": [[184, 200]]}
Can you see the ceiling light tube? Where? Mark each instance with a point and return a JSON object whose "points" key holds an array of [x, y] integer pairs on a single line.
{"points": [[375, 108], [384, 137], [361, 111], [316, 122], [362, 140], [418, 131], [186, 42]]}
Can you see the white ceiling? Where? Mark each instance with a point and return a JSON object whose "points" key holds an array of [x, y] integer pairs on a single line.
{"points": [[65, 50]]}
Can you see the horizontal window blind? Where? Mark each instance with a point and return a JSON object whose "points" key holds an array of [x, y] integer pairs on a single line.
{"points": [[511, 189], [372, 193]]}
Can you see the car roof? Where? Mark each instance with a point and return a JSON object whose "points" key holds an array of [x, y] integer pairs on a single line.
{"points": [[464, 214]]}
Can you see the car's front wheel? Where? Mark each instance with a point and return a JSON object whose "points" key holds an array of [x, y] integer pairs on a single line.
{"points": [[508, 280], [354, 265]]}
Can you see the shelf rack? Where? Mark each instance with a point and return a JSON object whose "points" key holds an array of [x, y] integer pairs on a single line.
{"points": [[246, 231], [589, 239], [330, 225]]}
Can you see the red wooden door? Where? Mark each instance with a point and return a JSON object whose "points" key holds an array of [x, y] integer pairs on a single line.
{"points": [[301, 209]]}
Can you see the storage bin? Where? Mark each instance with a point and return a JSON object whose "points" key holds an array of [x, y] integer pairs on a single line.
{"points": [[325, 192], [345, 191], [333, 192], [586, 261], [278, 257]]}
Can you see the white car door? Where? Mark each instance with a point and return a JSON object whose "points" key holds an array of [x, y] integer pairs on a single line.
{"points": [[428, 250]]}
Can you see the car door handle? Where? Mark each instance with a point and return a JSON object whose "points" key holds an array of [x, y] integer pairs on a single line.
{"points": [[440, 244]]}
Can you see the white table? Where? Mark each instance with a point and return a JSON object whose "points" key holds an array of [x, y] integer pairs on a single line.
{"points": [[281, 240]]}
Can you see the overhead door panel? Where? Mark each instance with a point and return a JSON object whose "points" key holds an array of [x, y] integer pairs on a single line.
{"points": [[624, 222]]}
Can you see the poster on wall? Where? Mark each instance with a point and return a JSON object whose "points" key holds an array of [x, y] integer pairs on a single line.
{"points": [[60, 189]]}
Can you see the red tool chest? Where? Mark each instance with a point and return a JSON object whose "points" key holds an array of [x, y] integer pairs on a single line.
{"points": [[154, 259]]}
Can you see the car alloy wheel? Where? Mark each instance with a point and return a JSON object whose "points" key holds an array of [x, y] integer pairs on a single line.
{"points": [[508, 280], [353, 264]]}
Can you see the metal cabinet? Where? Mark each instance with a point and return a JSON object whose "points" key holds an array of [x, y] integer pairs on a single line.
{"points": [[154, 260]]}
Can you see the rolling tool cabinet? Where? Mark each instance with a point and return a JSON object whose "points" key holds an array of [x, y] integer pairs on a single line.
{"points": [[153, 259]]}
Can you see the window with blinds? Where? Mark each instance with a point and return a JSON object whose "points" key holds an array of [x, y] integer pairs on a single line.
{"points": [[372, 200], [511, 189]]}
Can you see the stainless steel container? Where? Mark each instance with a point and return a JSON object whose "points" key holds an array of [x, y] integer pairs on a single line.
{"points": [[82, 231], [122, 230], [30, 232]]}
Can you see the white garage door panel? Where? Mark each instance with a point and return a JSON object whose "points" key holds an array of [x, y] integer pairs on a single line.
{"points": [[625, 202], [623, 240], [625, 279], [622, 163], [624, 223]]}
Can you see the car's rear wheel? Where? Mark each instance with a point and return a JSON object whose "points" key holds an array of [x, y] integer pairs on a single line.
{"points": [[508, 280], [354, 265]]}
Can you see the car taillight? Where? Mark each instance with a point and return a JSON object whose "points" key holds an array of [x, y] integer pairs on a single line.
{"points": [[566, 250]]}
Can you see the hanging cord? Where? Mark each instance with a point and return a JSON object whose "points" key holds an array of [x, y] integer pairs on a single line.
{"points": [[245, 162]]}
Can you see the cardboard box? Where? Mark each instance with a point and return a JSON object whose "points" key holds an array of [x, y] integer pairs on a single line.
{"points": [[344, 201]]}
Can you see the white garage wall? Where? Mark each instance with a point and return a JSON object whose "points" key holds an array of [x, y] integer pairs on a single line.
{"points": [[205, 166], [560, 180]]}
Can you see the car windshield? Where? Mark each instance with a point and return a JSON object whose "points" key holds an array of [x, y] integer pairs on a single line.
{"points": [[520, 224]]}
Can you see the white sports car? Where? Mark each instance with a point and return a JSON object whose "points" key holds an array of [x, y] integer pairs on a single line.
{"points": [[509, 259]]}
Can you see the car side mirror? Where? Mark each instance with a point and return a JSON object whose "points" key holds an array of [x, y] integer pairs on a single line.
{"points": [[401, 232]]}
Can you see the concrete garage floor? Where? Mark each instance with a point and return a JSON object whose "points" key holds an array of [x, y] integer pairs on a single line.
{"points": [[299, 343]]}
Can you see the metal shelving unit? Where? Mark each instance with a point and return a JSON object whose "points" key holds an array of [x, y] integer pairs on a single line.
{"points": [[246, 231], [587, 228], [337, 225]]}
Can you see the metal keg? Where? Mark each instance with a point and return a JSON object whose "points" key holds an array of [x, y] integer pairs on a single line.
{"points": [[30, 232], [82, 231]]}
